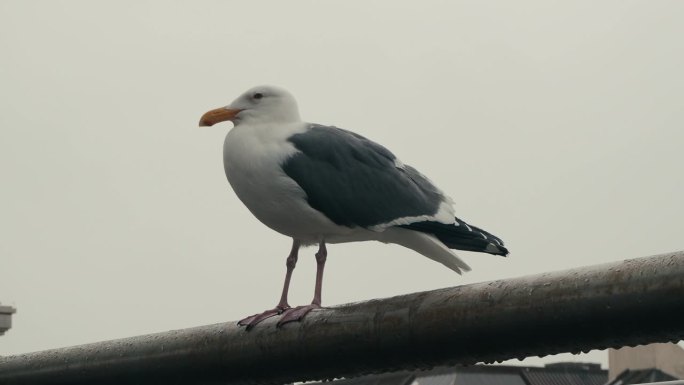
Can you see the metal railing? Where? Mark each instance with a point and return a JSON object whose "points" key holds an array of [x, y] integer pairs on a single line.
{"points": [[678, 382], [627, 303]]}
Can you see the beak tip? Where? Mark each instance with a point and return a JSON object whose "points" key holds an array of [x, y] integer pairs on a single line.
{"points": [[217, 115]]}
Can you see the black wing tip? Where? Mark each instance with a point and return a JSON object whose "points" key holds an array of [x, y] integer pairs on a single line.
{"points": [[497, 250], [462, 236], [496, 247]]}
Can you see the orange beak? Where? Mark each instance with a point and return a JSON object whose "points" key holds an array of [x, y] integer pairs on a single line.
{"points": [[218, 115]]}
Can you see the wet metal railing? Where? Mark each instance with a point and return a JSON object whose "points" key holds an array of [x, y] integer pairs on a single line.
{"points": [[664, 383], [626, 303]]}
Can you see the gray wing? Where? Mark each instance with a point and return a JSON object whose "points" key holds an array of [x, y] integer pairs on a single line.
{"points": [[355, 181]]}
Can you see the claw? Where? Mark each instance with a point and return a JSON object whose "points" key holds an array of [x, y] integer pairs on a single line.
{"points": [[296, 314], [253, 320]]}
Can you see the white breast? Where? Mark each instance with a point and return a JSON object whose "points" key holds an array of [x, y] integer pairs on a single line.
{"points": [[252, 158]]}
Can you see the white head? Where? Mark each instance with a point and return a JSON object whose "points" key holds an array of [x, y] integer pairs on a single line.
{"points": [[263, 104]]}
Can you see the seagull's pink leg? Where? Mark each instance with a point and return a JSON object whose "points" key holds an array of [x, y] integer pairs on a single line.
{"points": [[251, 321], [298, 313], [321, 257]]}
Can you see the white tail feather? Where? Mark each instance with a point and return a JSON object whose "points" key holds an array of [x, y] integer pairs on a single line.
{"points": [[424, 244]]}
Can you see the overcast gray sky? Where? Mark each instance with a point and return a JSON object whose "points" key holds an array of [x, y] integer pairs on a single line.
{"points": [[555, 125]]}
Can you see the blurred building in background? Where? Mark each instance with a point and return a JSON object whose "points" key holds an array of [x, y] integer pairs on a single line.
{"points": [[639, 365], [654, 362], [562, 373], [6, 318]]}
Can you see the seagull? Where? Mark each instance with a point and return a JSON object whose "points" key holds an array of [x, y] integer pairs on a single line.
{"points": [[323, 185]]}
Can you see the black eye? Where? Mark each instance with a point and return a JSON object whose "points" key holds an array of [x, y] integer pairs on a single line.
{"points": [[258, 95]]}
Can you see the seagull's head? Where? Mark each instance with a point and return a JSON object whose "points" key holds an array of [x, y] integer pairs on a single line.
{"points": [[260, 105]]}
